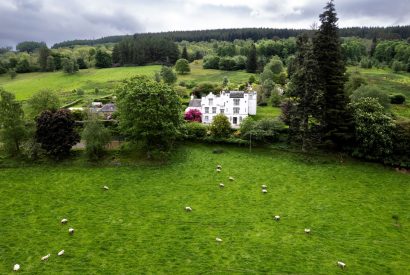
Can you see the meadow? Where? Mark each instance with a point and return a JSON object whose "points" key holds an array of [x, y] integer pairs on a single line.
{"points": [[140, 225]]}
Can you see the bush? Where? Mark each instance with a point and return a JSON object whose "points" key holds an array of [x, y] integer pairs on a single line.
{"points": [[372, 92], [195, 130], [182, 66], [397, 99], [401, 145], [69, 66], [220, 126], [193, 115], [227, 64], [211, 62], [203, 88], [356, 80], [398, 66], [366, 63], [96, 137], [264, 130]]}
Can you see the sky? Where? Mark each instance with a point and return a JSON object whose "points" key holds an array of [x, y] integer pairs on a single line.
{"points": [[54, 21]]}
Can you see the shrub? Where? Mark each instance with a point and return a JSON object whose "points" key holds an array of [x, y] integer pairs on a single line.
{"points": [[195, 130], [193, 115], [356, 80], [366, 63], [397, 99], [220, 126], [227, 64], [182, 66], [211, 62], [401, 145], [372, 92], [96, 137], [168, 75], [203, 88], [398, 66], [264, 130], [41, 101]]}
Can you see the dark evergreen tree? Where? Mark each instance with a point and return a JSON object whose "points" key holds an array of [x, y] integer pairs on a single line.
{"points": [[184, 54], [337, 122], [116, 58], [373, 46], [252, 62], [43, 54], [102, 59], [306, 114]]}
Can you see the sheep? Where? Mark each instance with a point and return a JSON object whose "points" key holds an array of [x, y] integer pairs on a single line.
{"points": [[277, 218], [60, 253], [307, 230], [264, 191], [264, 186], [218, 240], [341, 264], [105, 187], [16, 267], [231, 179], [218, 170], [71, 231], [45, 258], [219, 167], [187, 208], [221, 185], [64, 221]]}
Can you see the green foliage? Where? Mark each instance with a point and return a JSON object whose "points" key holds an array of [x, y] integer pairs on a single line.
{"points": [[41, 101], [265, 130], [184, 54], [102, 59], [43, 54], [397, 99], [220, 126], [401, 145], [168, 75], [252, 79], [353, 49], [227, 64], [23, 66], [29, 46], [372, 92], [366, 63], [69, 66], [373, 129], [251, 61], [96, 137], [81, 63], [13, 74], [211, 62], [51, 66], [398, 66], [12, 127], [356, 80], [3, 68], [55, 132], [195, 130], [182, 66], [204, 88], [149, 112], [275, 65]]}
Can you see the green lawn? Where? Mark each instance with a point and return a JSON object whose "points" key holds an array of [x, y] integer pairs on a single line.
{"points": [[267, 112], [140, 225]]}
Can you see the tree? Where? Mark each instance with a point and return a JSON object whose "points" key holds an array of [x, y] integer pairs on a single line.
{"points": [[168, 75], [81, 63], [184, 54], [43, 54], [23, 66], [182, 66], [55, 132], [69, 66], [356, 80], [220, 126], [373, 46], [29, 46], [225, 82], [42, 101], [251, 61], [336, 122], [372, 92], [96, 137], [12, 128], [149, 112], [373, 129], [116, 56], [102, 59], [51, 66], [193, 115], [305, 116]]}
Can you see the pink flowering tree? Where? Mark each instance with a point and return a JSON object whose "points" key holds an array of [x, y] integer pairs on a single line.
{"points": [[193, 115]]}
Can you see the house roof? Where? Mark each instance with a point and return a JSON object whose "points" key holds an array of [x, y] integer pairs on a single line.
{"points": [[195, 103], [110, 107], [236, 94]]}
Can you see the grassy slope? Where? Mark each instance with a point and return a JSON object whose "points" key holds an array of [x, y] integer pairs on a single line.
{"points": [[140, 226]]}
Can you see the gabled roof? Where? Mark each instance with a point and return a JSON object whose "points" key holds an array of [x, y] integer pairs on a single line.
{"points": [[236, 94], [195, 103], [110, 107]]}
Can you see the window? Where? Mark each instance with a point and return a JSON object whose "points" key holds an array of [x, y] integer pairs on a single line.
{"points": [[206, 118], [236, 110], [236, 101], [222, 111], [206, 110], [211, 101], [214, 110], [240, 119], [250, 97]]}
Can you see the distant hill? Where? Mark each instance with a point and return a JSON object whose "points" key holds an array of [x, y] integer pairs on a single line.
{"points": [[394, 32]]}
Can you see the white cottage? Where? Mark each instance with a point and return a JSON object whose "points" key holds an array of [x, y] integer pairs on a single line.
{"points": [[236, 105]]}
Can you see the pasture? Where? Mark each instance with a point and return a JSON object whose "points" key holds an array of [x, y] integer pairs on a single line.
{"points": [[140, 225]]}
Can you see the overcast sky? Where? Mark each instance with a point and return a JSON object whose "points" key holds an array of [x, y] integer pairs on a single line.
{"points": [[58, 20]]}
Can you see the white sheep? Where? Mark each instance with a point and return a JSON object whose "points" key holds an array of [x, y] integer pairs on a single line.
{"points": [[71, 231], [105, 187], [64, 221], [60, 253], [219, 167], [341, 264], [277, 218], [16, 267], [45, 258], [187, 208], [264, 186], [307, 230], [218, 170], [221, 185], [231, 179], [264, 191], [218, 240]]}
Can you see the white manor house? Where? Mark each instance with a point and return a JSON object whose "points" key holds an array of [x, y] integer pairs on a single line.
{"points": [[236, 105]]}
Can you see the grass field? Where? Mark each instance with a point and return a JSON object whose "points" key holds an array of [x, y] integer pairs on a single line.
{"points": [[140, 225]]}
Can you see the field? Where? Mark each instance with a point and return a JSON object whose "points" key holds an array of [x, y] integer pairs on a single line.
{"points": [[140, 226]]}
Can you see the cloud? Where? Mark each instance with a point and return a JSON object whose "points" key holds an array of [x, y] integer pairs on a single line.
{"points": [[55, 21]]}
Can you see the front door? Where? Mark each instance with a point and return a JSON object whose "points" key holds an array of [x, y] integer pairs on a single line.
{"points": [[235, 120]]}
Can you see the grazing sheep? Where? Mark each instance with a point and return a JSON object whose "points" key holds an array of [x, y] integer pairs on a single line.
{"points": [[307, 230], [60, 253], [71, 231], [189, 209], [264, 186], [16, 267], [341, 264], [218, 240], [264, 191], [105, 187], [277, 218], [231, 179], [218, 170], [45, 258], [221, 185], [219, 167], [64, 221]]}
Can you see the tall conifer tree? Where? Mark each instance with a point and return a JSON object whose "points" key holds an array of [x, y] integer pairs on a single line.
{"points": [[251, 62]]}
